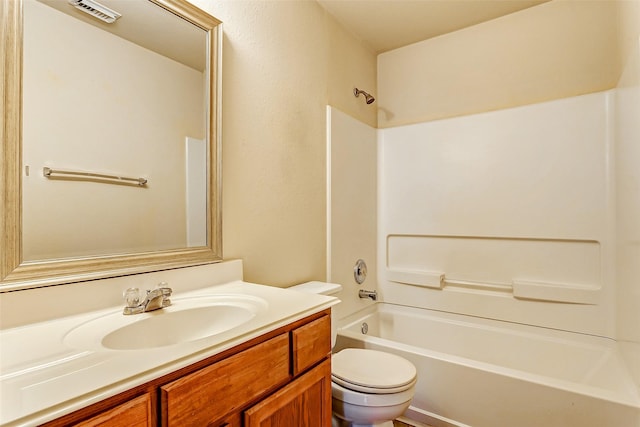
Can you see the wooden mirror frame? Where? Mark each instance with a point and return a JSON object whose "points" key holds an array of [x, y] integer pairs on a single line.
{"points": [[17, 274]]}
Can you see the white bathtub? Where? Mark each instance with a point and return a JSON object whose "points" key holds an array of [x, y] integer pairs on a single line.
{"points": [[485, 373]]}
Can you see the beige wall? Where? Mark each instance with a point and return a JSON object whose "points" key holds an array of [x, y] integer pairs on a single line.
{"points": [[555, 50], [628, 26], [283, 61]]}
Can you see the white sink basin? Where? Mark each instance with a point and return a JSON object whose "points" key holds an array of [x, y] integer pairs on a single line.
{"points": [[187, 319]]}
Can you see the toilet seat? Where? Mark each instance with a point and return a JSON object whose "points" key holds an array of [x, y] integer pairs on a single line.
{"points": [[370, 400], [372, 371]]}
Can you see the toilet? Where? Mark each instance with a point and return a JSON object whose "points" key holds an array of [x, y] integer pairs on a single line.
{"points": [[368, 387]]}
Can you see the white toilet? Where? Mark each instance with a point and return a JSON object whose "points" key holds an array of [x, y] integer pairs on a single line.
{"points": [[369, 387]]}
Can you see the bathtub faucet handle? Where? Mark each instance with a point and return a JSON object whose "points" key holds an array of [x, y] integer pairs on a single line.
{"points": [[362, 293]]}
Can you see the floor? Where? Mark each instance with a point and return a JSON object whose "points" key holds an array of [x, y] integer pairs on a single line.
{"points": [[408, 423]]}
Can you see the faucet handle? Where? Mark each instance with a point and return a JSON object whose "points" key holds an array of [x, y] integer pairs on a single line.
{"points": [[131, 297], [164, 288]]}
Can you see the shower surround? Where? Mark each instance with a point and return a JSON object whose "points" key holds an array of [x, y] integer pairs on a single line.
{"points": [[504, 219], [505, 215]]}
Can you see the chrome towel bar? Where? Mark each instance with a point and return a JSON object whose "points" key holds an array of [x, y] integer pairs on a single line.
{"points": [[49, 173]]}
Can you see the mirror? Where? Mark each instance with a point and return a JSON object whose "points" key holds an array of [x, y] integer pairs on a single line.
{"points": [[111, 130]]}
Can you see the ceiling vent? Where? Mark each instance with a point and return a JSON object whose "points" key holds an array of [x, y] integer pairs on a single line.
{"points": [[97, 10]]}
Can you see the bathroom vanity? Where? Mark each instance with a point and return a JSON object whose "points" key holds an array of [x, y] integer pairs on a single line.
{"points": [[280, 378], [272, 366]]}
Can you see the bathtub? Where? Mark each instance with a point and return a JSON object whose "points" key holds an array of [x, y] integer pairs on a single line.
{"points": [[485, 373]]}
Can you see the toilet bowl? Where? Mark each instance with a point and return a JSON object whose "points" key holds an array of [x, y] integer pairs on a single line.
{"points": [[368, 387]]}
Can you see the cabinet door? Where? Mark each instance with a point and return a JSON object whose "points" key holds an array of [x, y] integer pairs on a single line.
{"points": [[305, 402], [208, 396], [135, 413]]}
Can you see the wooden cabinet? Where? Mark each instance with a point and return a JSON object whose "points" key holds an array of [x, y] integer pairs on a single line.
{"points": [[280, 379], [303, 402], [133, 408], [134, 413]]}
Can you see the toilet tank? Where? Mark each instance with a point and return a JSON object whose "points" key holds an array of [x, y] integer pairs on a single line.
{"points": [[322, 288]]}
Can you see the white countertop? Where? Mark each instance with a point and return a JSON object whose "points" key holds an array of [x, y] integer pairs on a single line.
{"points": [[42, 378]]}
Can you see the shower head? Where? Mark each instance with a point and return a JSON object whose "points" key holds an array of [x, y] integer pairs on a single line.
{"points": [[367, 97]]}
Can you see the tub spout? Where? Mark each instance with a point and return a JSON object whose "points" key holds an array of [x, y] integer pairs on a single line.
{"points": [[362, 293]]}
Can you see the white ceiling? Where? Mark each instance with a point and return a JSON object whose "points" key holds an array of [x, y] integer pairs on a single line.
{"points": [[148, 26], [388, 24]]}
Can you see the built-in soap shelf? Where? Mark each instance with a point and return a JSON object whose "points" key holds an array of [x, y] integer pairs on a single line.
{"points": [[520, 289], [426, 279], [557, 292]]}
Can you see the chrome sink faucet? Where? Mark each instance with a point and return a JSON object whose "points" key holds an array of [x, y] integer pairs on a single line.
{"points": [[155, 299]]}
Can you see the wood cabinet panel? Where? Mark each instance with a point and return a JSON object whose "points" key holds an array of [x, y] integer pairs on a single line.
{"points": [[311, 343], [134, 413], [305, 402], [208, 395]]}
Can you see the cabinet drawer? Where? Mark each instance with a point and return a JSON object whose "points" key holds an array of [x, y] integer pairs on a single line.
{"points": [[311, 343], [135, 413], [207, 395]]}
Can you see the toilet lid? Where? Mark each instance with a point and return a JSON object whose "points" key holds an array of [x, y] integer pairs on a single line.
{"points": [[372, 369]]}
